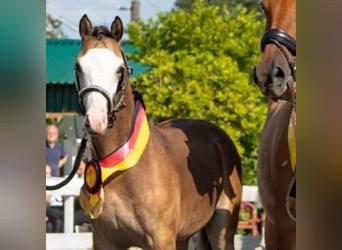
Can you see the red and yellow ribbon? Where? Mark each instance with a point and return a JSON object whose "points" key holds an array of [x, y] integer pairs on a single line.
{"points": [[292, 140], [121, 159], [129, 154]]}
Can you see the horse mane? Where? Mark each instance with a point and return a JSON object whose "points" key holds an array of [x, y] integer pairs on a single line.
{"points": [[100, 31]]}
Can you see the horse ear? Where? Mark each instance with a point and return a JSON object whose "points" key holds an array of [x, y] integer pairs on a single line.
{"points": [[85, 27], [117, 28]]}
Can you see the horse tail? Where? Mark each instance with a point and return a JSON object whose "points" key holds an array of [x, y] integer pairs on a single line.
{"points": [[232, 171], [232, 182]]}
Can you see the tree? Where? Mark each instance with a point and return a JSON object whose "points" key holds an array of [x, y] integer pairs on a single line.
{"points": [[187, 4], [53, 27], [201, 66]]}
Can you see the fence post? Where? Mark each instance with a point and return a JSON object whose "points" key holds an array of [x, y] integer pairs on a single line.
{"points": [[69, 214]]}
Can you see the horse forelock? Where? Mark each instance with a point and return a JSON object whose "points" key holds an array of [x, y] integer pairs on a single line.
{"points": [[101, 31], [101, 37]]}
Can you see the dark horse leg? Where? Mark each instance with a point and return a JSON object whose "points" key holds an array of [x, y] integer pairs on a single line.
{"points": [[270, 235], [220, 230], [199, 241], [215, 236], [183, 245], [279, 237]]}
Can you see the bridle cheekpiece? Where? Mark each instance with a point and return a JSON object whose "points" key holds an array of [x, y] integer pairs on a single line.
{"points": [[280, 39], [113, 106]]}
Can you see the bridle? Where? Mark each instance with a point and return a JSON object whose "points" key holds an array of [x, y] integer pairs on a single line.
{"points": [[113, 107], [281, 40], [113, 104]]}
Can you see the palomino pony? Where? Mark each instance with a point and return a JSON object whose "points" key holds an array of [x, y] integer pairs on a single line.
{"points": [[275, 74], [149, 186]]}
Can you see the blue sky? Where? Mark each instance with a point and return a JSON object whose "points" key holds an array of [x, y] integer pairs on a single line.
{"points": [[101, 11]]}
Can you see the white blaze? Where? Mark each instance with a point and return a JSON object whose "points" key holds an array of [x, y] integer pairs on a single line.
{"points": [[99, 67]]}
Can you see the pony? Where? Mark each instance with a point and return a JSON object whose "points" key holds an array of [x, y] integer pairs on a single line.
{"points": [[149, 186], [275, 74]]}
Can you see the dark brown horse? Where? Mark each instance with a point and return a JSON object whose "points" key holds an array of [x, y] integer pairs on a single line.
{"points": [[149, 186], [275, 74]]}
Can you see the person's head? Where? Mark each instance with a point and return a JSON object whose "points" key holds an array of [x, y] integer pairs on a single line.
{"points": [[51, 133]]}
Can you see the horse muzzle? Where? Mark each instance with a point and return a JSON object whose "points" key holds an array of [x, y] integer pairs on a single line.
{"points": [[96, 126], [276, 69], [98, 116], [272, 81]]}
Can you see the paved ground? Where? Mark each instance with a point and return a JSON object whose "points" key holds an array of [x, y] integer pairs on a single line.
{"points": [[83, 241], [246, 242]]}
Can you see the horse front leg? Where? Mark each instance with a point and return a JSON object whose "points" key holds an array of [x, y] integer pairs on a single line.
{"points": [[199, 241], [270, 235], [182, 245], [161, 241], [164, 245], [102, 244]]}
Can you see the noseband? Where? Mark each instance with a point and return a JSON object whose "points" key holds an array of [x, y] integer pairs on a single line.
{"points": [[113, 106], [281, 40]]}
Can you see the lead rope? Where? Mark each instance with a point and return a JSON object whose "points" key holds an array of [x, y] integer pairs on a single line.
{"points": [[80, 153]]}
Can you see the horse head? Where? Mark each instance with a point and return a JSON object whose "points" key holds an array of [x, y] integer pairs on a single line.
{"points": [[101, 74], [276, 69]]}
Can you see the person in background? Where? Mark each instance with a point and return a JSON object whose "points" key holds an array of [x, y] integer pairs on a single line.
{"points": [[54, 210], [55, 155]]}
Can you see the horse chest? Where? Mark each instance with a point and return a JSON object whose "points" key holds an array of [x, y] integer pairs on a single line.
{"points": [[274, 137], [118, 222], [273, 167], [119, 208]]}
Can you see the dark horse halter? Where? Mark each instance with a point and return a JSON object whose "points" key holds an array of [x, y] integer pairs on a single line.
{"points": [[280, 39], [112, 106]]}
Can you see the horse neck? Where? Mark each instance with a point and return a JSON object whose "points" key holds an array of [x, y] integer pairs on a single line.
{"points": [[115, 136], [290, 100], [278, 115]]}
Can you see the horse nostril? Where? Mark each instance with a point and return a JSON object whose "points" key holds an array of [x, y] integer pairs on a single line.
{"points": [[278, 73]]}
